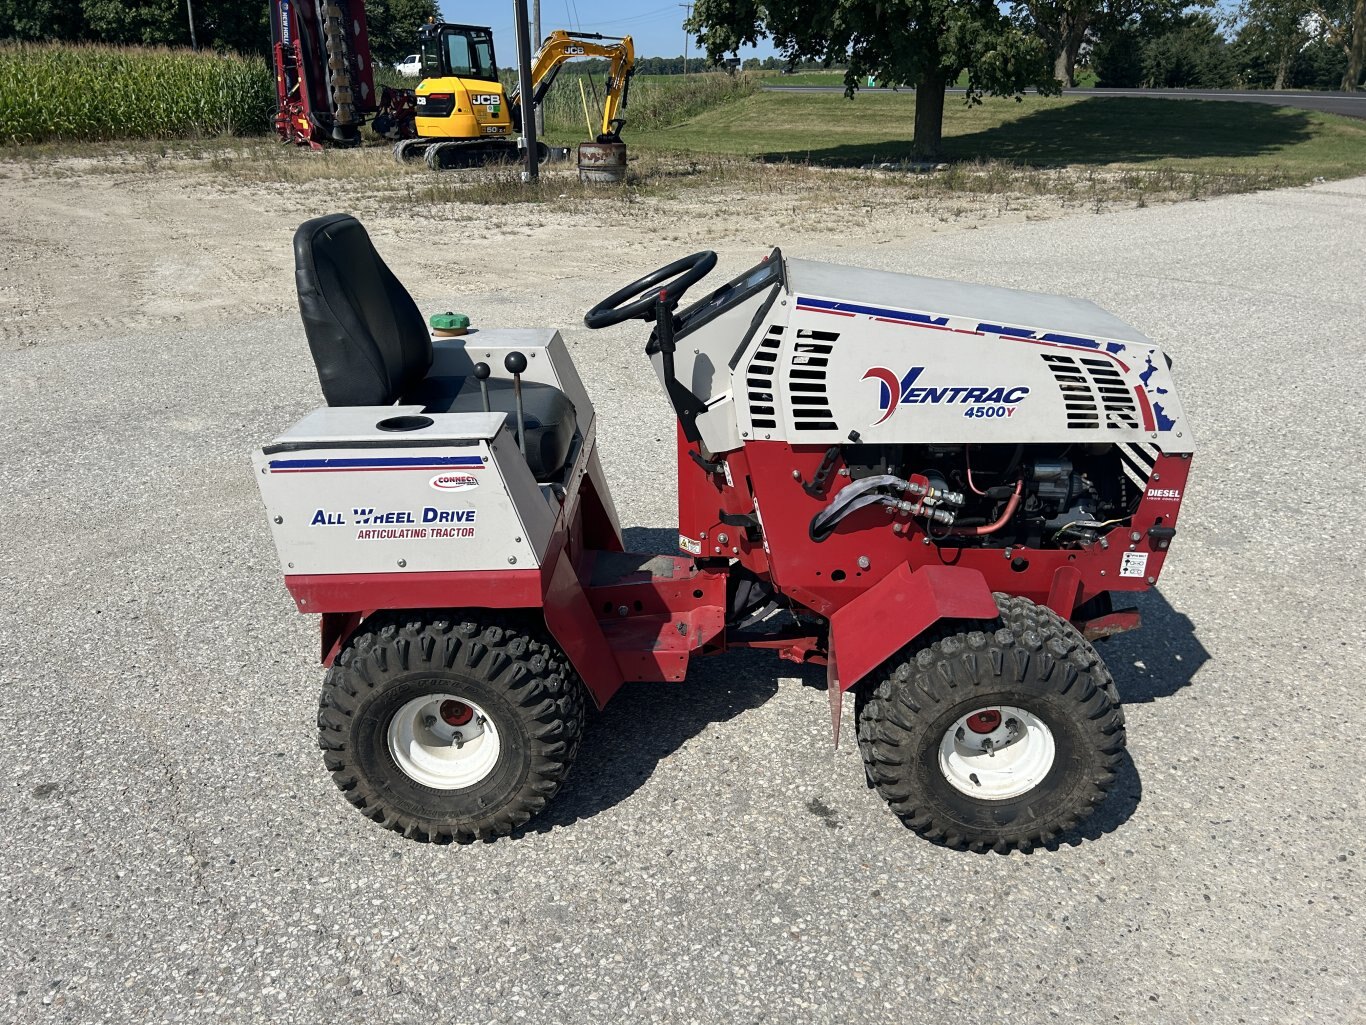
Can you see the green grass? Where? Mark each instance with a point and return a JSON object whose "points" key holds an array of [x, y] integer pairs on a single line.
{"points": [[1086, 78], [655, 101], [85, 92], [1184, 135]]}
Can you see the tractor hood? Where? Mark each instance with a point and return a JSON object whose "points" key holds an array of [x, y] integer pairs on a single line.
{"points": [[899, 358]]}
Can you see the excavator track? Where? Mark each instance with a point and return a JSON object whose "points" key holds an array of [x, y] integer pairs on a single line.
{"points": [[406, 151], [448, 154]]}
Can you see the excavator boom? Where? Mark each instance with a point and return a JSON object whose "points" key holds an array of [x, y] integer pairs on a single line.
{"points": [[561, 46]]}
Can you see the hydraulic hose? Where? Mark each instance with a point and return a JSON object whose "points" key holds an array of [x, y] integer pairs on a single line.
{"points": [[1000, 522]]}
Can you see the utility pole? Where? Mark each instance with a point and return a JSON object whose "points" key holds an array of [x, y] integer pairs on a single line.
{"points": [[536, 32], [189, 9], [528, 139], [687, 13]]}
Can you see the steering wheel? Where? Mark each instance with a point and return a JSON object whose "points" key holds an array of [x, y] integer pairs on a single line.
{"points": [[681, 275]]}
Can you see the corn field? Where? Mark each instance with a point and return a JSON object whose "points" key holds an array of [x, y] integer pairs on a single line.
{"points": [[89, 92], [84, 92]]}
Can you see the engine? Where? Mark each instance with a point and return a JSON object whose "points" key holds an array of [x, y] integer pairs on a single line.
{"points": [[1039, 496]]}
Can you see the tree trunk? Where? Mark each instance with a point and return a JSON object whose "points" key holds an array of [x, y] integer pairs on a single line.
{"points": [[1356, 54], [1060, 69], [1072, 33], [1282, 69], [929, 115]]}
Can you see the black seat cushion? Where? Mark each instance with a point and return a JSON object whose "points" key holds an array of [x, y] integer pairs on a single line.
{"points": [[368, 339], [547, 415]]}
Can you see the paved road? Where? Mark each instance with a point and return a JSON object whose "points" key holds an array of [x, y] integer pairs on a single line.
{"points": [[1347, 104], [173, 851]]}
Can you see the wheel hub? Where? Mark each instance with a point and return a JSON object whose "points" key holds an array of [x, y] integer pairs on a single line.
{"points": [[443, 742], [456, 713], [997, 753], [984, 722]]}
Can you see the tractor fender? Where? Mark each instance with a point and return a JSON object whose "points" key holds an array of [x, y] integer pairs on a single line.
{"points": [[554, 593], [898, 609], [570, 620]]}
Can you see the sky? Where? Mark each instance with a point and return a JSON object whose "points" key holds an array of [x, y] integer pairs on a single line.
{"points": [[655, 26]]}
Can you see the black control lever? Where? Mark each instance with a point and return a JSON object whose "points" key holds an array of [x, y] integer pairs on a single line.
{"points": [[816, 486], [515, 363], [481, 374]]}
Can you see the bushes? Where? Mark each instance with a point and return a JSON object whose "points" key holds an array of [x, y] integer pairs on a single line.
{"points": [[84, 92], [1193, 56], [1189, 55]]}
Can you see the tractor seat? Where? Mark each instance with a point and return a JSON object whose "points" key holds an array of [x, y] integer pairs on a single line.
{"points": [[372, 348]]}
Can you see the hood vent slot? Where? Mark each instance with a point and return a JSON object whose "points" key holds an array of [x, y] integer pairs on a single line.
{"points": [[1094, 392], [759, 381], [806, 381]]}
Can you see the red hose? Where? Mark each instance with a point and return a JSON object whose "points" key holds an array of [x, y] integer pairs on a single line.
{"points": [[991, 528], [967, 454]]}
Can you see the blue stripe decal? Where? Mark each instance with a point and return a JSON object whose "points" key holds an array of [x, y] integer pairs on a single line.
{"points": [[924, 318], [871, 311], [359, 464]]}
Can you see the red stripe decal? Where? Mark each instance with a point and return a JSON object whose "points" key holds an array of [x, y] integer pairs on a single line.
{"points": [[833, 313], [1148, 423]]}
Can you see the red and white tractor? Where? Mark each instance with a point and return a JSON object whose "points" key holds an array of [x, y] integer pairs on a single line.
{"points": [[935, 489]]}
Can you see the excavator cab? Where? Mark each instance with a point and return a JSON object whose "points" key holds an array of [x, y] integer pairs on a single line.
{"points": [[460, 97]]}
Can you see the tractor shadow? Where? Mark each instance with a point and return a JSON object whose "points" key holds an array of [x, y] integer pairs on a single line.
{"points": [[1148, 664], [645, 723], [1159, 659]]}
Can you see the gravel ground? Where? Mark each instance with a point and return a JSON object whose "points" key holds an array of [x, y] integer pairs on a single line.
{"points": [[173, 850]]}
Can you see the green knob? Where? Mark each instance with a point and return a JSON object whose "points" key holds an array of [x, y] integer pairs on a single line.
{"points": [[449, 321]]}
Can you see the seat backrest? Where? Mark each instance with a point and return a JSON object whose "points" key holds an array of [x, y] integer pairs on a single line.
{"points": [[368, 339]]}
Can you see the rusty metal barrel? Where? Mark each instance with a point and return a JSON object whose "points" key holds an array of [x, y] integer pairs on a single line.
{"points": [[602, 161]]}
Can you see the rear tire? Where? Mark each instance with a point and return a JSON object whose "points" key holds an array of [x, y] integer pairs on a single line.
{"points": [[447, 728], [998, 736]]}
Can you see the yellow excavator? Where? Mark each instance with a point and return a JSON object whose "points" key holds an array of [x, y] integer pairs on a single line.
{"points": [[461, 114]]}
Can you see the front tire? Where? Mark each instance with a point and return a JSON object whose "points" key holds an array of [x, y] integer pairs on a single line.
{"points": [[1002, 736], [450, 729]]}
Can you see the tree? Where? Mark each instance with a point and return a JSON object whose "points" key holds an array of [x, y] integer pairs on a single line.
{"points": [[393, 24], [1279, 29], [1192, 56], [1117, 58], [924, 43], [1067, 25], [1062, 25], [148, 23], [36, 20], [1343, 27], [1356, 54]]}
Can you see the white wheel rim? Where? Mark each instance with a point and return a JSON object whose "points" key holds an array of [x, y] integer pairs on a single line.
{"points": [[440, 754], [996, 763]]}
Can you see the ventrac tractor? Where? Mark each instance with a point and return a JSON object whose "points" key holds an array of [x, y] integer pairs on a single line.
{"points": [[939, 491]]}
